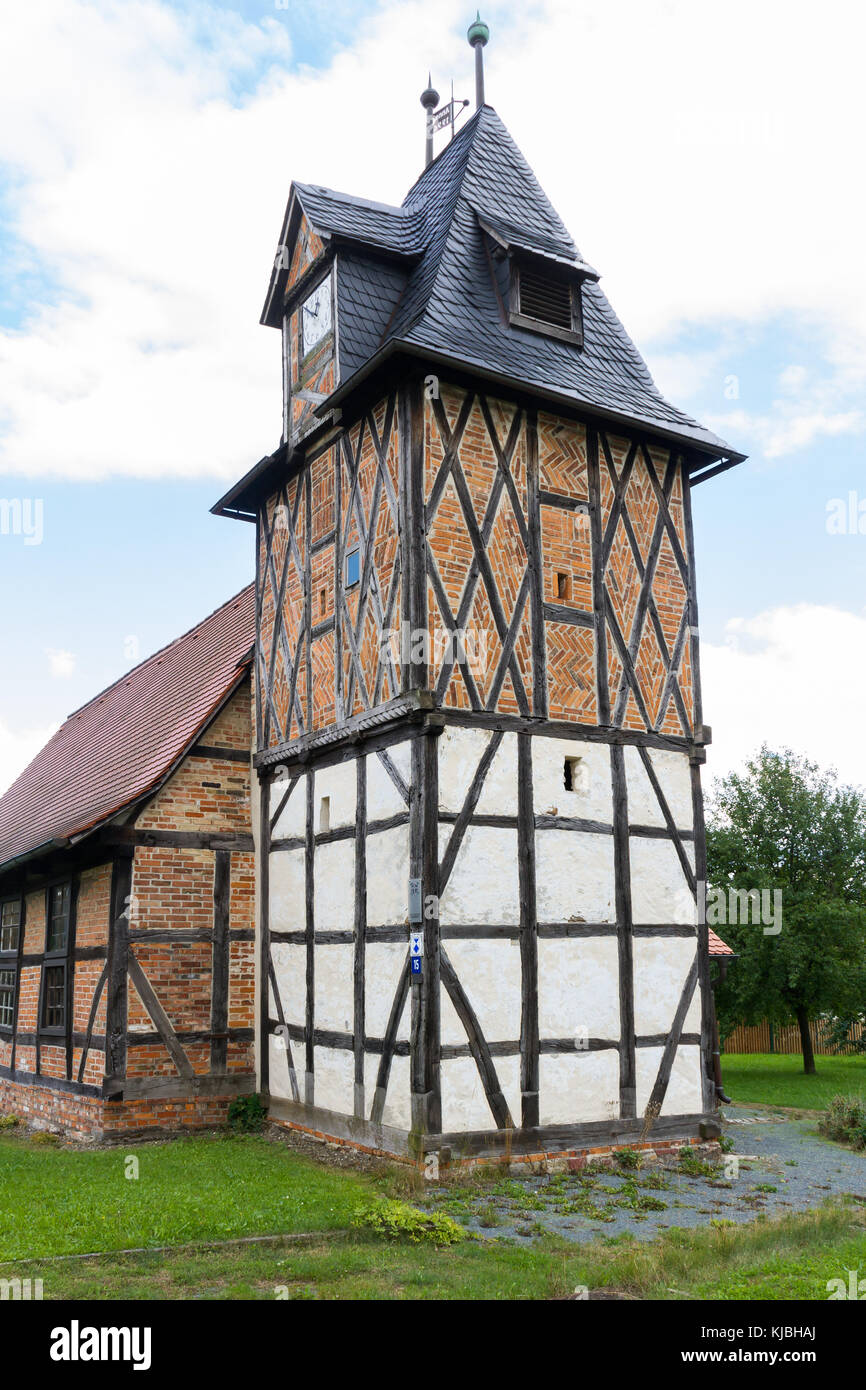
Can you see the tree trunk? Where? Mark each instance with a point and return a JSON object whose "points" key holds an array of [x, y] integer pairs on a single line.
{"points": [[806, 1042]]}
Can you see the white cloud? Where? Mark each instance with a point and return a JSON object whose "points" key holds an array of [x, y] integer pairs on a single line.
{"points": [[60, 663], [786, 429], [790, 677], [18, 748], [674, 140]]}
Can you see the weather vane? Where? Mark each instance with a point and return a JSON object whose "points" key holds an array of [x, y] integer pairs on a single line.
{"points": [[452, 110]]}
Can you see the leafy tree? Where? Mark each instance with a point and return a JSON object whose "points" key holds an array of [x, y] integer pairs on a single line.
{"points": [[786, 824]]}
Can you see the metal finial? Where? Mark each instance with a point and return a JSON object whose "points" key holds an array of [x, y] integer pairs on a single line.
{"points": [[429, 100], [478, 34]]}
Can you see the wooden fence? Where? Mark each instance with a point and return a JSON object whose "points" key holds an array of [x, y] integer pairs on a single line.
{"points": [[770, 1037]]}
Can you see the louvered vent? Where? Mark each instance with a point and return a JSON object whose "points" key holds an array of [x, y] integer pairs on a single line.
{"points": [[545, 299]]}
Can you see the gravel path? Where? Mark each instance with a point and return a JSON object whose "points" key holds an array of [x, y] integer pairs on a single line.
{"points": [[777, 1165]]}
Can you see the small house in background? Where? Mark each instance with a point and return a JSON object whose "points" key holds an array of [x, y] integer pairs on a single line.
{"points": [[127, 899]]}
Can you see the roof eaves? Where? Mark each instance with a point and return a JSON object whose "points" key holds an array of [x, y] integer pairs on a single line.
{"points": [[83, 831], [716, 451]]}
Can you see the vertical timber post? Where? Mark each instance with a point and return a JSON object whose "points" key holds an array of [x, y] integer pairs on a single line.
{"points": [[425, 1036], [118, 962], [624, 936], [529, 1041], [708, 1086], [264, 935]]}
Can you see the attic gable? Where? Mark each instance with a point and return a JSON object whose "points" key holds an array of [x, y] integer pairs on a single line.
{"points": [[318, 220]]}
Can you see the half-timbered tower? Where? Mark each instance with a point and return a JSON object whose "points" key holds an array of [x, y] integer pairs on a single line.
{"points": [[477, 698]]}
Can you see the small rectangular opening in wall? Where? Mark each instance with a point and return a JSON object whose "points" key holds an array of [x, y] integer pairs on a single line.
{"points": [[323, 602], [563, 586], [353, 568], [572, 774], [325, 813]]}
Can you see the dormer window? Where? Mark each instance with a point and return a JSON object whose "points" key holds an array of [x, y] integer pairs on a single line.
{"points": [[546, 299]]}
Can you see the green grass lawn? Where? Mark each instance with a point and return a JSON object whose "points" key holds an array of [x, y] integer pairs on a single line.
{"points": [[774, 1260], [56, 1202], [765, 1078]]}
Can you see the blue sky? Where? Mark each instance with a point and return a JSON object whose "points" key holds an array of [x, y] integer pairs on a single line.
{"points": [[141, 188]]}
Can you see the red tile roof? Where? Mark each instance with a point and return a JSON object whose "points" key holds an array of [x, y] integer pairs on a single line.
{"points": [[717, 945], [121, 744]]}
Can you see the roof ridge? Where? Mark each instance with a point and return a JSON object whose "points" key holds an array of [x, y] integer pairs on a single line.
{"points": [[160, 651], [474, 120], [353, 199], [464, 145]]}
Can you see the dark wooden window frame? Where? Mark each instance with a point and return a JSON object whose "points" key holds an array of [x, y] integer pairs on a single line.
{"points": [[353, 554], [9, 968], [10, 957], [542, 267], [59, 959], [50, 964]]}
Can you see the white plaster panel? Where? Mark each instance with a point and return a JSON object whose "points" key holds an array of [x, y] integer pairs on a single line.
{"points": [[673, 772], [659, 891], [334, 885], [290, 968], [383, 964], [578, 1086], [464, 1102], [334, 1086], [388, 877], [574, 876], [683, 1096], [334, 987], [293, 818], [287, 878], [339, 785], [383, 798], [499, 793], [490, 974], [278, 1082], [578, 987], [460, 752], [661, 965], [398, 1103], [593, 800], [483, 886]]}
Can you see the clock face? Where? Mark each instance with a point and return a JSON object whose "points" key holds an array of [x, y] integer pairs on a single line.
{"points": [[316, 315]]}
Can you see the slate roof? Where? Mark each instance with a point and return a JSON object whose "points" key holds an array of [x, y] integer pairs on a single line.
{"points": [[446, 302], [375, 224], [123, 743]]}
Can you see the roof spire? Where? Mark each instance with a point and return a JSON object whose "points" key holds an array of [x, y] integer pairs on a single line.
{"points": [[429, 100], [478, 35]]}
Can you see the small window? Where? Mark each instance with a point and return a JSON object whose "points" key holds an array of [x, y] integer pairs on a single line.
{"points": [[10, 924], [57, 930], [353, 568], [573, 774], [563, 587], [325, 813], [545, 299], [323, 602], [7, 998], [54, 997]]}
